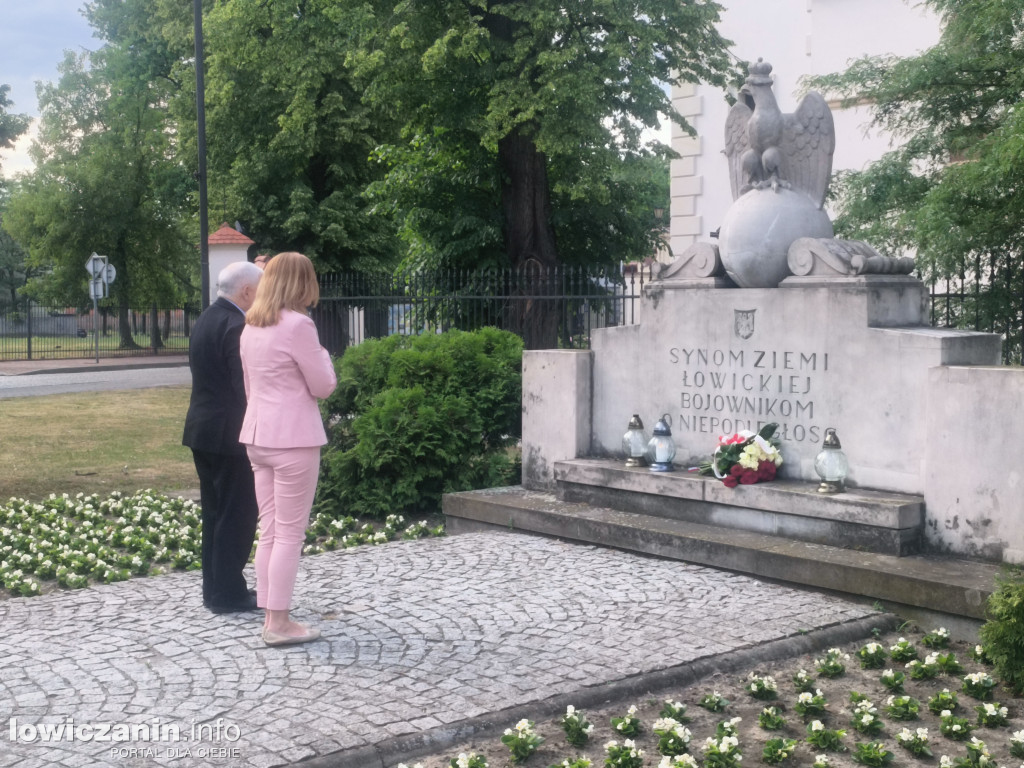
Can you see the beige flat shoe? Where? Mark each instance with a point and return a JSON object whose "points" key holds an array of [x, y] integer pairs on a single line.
{"points": [[274, 639]]}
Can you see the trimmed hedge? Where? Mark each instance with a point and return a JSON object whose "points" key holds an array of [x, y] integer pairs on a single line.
{"points": [[414, 417]]}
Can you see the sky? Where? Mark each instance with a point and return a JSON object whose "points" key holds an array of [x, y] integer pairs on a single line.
{"points": [[33, 37]]}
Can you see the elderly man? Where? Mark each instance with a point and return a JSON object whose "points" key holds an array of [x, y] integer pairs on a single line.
{"points": [[212, 426]]}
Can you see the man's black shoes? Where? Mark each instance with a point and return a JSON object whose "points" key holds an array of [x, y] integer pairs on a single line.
{"points": [[247, 603]]}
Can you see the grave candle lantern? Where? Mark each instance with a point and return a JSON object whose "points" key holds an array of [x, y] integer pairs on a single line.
{"points": [[662, 448], [831, 464], [634, 442]]}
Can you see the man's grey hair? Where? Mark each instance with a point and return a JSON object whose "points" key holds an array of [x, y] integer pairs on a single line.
{"points": [[235, 276]]}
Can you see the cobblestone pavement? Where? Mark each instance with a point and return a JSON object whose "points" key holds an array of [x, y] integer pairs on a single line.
{"points": [[418, 637]]}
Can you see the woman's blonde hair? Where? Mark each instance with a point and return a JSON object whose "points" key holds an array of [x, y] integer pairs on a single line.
{"points": [[289, 282]]}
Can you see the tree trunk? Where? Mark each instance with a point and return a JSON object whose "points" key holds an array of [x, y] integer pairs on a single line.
{"points": [[530, 238], [124, 322], [526, 204], [154, 329]]}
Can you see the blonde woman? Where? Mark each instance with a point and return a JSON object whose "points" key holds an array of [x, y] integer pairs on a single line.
{"points": [[285, 371]]}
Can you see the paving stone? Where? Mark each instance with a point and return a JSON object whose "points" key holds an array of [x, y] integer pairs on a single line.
{"points": [[416, 636]]}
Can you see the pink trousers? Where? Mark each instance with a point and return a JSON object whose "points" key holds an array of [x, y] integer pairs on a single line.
{"points": [[285, 486]]}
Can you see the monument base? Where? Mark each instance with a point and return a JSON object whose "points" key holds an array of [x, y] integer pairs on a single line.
{"points": [[870, 521]]}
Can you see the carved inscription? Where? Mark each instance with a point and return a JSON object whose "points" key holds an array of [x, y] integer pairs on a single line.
{"points": [[725, 390]]}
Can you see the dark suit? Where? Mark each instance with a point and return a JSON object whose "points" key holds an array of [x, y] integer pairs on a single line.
{"points": [[212, 426]]}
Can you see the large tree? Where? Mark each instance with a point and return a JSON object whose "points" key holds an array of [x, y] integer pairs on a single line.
{"points": [[289, 136], [952, 190], [524, 115], [542, 98], [106, 181]]}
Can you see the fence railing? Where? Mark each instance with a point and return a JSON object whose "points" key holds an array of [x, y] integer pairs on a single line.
{"points": [[975, 307], [36, 332], [549, 308]]}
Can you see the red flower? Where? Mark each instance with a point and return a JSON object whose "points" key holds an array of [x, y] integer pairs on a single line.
{"points": [[766, 470], [736, 470], [748, 477], [730, 481]]}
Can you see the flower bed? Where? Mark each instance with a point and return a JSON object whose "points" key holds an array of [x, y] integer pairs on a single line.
{"points": [[741, 734], [72, 541]]}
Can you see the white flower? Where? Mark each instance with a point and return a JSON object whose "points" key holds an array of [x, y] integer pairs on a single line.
{"points": [[817, 725], [570, 711], [945, 713], [945, 762], [664, 725], [682, 733], [1018, 737]]}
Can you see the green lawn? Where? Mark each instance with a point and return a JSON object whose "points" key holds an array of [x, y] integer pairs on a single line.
{"points": [[123, 441]]}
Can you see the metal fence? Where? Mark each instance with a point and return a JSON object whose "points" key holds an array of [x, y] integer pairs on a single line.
{"points": [[30, 331], [988, 308], [548, 307]]}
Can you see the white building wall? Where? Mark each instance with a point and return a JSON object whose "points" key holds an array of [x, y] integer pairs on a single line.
{"points": [[797, 37]]}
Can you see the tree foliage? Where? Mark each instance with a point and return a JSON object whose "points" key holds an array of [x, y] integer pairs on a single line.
{"points": [[521, 119], [953, 189], [13, 269], [11, 125], [289, 136]]}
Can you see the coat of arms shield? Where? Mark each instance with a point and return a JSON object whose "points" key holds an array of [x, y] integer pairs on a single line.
{"points": [[744, 322]]}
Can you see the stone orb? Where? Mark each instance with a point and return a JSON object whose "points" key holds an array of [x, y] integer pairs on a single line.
{"points": [[758, 229]]}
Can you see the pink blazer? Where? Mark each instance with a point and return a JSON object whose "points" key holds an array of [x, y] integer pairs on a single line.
{"points": [[285, 370]]}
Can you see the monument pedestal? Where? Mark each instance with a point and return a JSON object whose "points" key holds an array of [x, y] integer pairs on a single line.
{"points": [[920, 412]]}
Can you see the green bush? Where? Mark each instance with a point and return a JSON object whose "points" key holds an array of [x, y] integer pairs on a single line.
{"points": [[414, 417], [1003, 634]]}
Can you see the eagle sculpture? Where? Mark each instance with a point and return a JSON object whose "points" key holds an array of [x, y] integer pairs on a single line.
{"points": [[768, 148]]}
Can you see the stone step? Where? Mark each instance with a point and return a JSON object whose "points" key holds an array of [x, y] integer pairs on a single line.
{"points": [[874, 521], [934, 584]]}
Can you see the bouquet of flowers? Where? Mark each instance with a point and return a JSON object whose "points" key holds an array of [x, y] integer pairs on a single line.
{"points": [[745, 457]]}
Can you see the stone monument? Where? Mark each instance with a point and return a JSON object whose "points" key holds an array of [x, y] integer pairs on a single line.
{"points": [[781, 322]]}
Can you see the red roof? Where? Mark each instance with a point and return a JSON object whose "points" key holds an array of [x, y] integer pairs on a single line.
{"points": [[228, 235]]}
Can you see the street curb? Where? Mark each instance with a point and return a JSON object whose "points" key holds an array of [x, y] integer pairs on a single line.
{"points": [[388, 754], [102, 367]]}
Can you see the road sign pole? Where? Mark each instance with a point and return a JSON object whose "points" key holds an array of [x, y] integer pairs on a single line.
{"points": [[95, 321]]}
